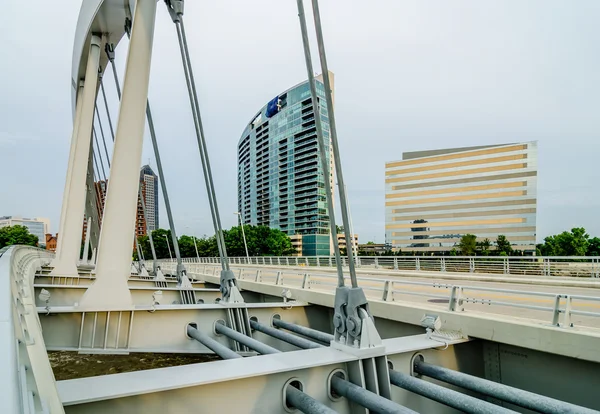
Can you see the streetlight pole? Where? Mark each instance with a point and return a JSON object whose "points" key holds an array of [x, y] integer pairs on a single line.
{"points": [[169, 246], [243, 234], [195, 245]]}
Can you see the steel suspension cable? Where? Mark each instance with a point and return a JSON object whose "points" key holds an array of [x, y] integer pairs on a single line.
{"points": [[99, 152], [334, 142], [112, 132], [189, 75], [321, 142], [102, 134]]}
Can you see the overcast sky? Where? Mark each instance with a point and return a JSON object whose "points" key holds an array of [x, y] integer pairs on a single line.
{"points": [[410, 75]]}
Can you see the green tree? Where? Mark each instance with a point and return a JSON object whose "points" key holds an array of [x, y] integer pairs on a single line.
{"points": [[17, 235], [593, 247], [339, 229], [503, 245], [484, 247], [370, 243], [468, 244], [573, 243]]}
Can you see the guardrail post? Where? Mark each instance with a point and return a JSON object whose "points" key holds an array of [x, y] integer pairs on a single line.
{"points": [[471, 265], [568, 306], [376, 263], [330, 264], [257, 278], [595, 268], [318, 262], [505, 265], [306, 261], [287, 261], [343, 260], [388, 291], [417, 264], [395, 263], [270, 260], [443, 264], [278, 261], [456, 302], [359, 261], [296, 260], [306, 281], [278, 279], [556, 311]]}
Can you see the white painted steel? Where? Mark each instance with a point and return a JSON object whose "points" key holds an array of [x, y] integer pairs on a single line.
{"points": [[74, 211], [391, 289], [569, 266], [117, 236], [26, 379], [71, 160]]}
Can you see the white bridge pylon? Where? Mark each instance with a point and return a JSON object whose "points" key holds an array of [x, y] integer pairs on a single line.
{"points": [[118, 223]]}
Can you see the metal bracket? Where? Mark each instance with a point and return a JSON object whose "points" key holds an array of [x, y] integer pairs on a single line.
{"points": [[127, 26], [110, 51], [229, 288], [354, 326], [175, 8]]}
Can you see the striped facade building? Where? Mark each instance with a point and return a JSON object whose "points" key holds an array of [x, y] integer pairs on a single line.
{"points": [[433, 198]]}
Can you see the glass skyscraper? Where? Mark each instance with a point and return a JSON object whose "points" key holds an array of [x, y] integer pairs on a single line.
{"points": [[280, 180], [433, 198], [150, 183]]}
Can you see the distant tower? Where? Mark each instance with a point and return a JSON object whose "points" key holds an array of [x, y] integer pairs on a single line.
{"points": [[150, 183], [281, 183]]}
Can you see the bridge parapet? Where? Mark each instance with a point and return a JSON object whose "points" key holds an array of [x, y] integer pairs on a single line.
{"points": [[26, 378]]}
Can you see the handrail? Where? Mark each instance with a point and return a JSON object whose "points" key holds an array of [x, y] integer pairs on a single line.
{"points": [[27, 382], [566, 266], [559, 305]]}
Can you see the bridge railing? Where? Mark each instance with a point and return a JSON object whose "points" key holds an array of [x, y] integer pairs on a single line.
{"points": [[568, 266], [26, 379], [558, 309]]}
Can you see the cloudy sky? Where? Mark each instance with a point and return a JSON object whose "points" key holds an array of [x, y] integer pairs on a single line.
{"points": [[410, 75]]}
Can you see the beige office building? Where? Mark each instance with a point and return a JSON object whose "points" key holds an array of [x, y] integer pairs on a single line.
{"points": [[433, 198]]}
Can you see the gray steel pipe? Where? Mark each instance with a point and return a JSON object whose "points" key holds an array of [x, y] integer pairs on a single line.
{"points": [[448, 397], [245, 340], [284, 336], [207, 341], [366, 398], [294, 397], [305, 402], [303, 330], [502, 392]]}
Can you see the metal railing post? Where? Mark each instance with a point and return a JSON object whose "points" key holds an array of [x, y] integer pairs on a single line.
{"points": [[471, 265], [456, 303], [417, 264], [376, 262], [443, 264], [395, 263], [330, 264], [306, 281]]}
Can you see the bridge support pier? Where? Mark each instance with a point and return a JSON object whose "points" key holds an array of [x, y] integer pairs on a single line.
{"points": [[73, 210], [117, 237]]}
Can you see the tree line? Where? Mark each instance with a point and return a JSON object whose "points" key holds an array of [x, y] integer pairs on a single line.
{"points": [[261, 241], [568, 243], [10, 235]]}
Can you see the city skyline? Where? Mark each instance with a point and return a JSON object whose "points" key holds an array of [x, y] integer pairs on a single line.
{"points": [[505, 82]]}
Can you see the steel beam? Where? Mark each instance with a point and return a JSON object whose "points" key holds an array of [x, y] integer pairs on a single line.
{"points": [[302, 330], [284, 336], [116, 240], [69, 239], [211, 344], [244, 340], [443, 395], [366, 398], [502, 392]]}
